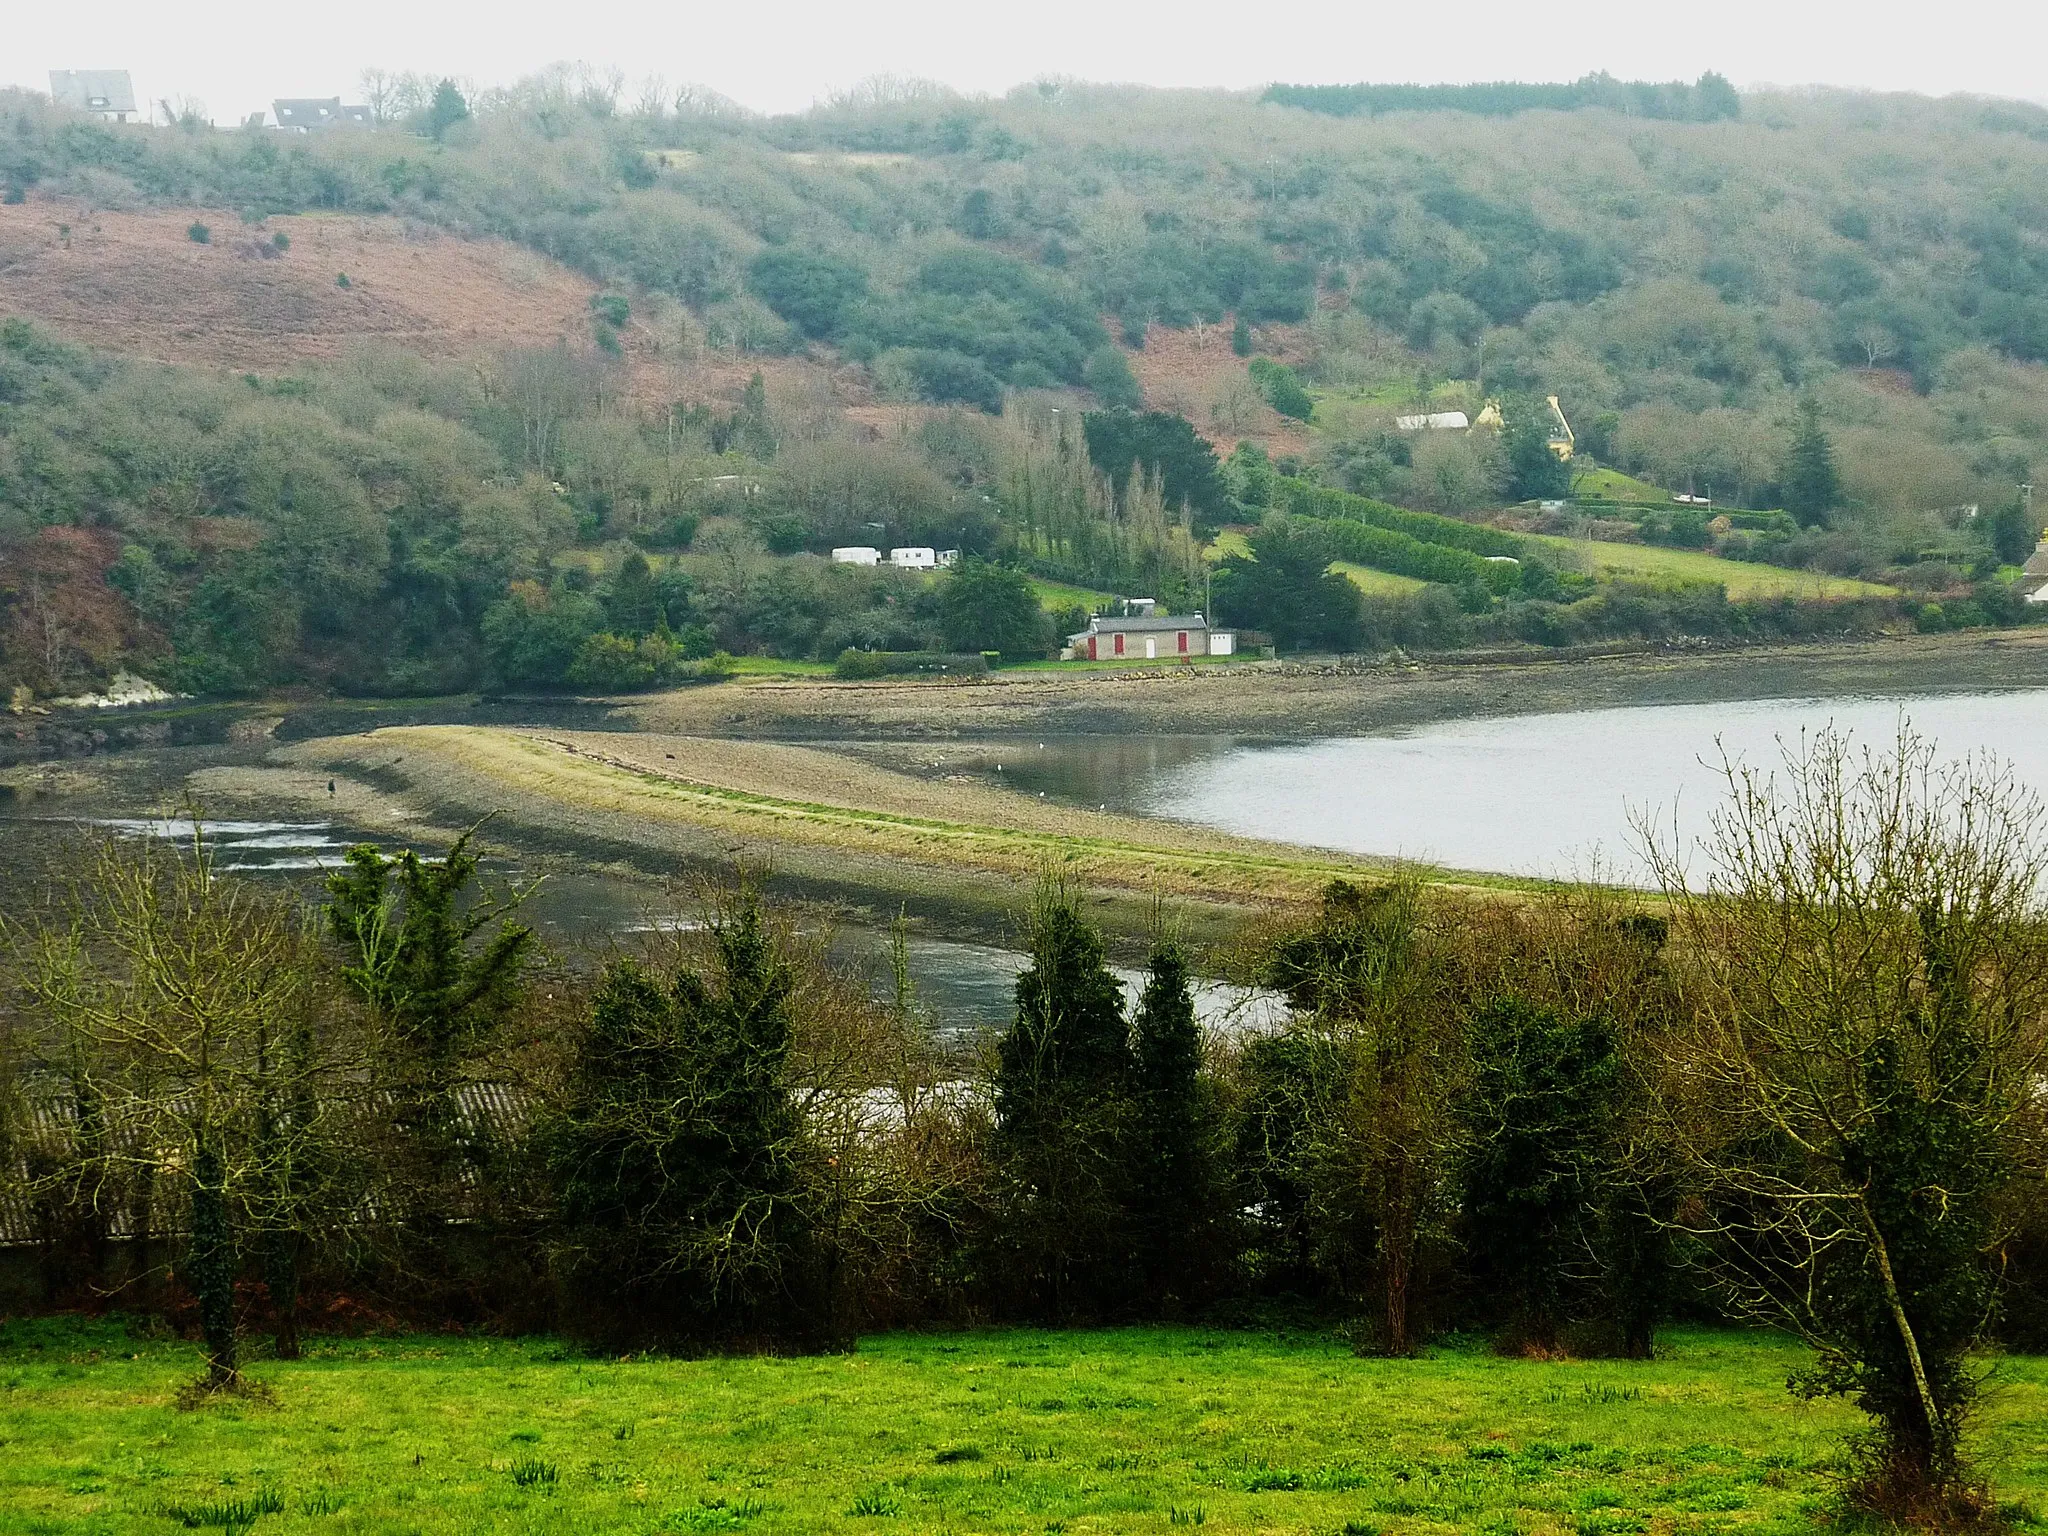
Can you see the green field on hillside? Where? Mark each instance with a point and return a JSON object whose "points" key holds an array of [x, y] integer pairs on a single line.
{"points": [[1128, 1431], [1377, 583], [1605, 484], [1743, 579], [1055, 595]]}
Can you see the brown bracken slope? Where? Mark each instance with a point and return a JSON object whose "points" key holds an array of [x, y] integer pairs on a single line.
{"points": [[135, 282]]}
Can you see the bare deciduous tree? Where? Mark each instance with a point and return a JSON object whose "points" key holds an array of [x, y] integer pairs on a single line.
{"points": [[1868, 976], [177, 1000]]}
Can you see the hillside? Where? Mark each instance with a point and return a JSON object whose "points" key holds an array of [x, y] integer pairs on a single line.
{"points": [[912, 318], [136, 282]]}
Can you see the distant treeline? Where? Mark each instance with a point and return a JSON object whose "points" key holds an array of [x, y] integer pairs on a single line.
{"points": [[1710, 100]]}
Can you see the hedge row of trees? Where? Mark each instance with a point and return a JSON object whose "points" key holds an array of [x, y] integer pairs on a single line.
{"points": [[1710, 99], [1804, 1091]]}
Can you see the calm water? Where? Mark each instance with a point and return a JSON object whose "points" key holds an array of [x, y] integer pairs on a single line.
{"points": [[963, 989], [1548, 795]]}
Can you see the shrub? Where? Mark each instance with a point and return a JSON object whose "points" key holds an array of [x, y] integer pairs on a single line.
{"points": [[815, 293], [1282, 388], [198, 233], [854, 663]]}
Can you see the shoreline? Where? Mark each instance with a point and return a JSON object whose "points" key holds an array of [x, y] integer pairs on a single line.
{"points": [[812, 823], [1294, 701]]}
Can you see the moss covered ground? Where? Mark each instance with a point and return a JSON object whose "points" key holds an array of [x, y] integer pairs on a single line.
{"points": [[1137, 1431]]}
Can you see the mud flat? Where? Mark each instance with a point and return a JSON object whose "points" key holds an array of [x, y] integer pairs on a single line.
{"points": [[815, 821]]}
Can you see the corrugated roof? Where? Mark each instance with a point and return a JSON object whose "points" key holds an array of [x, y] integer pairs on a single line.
{"points": [[486, 1112]]}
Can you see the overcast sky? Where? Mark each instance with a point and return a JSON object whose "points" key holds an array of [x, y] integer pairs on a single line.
{"points": [[235, 55]]}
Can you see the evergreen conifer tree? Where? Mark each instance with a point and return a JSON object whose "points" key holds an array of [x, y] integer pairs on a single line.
{"points": [[674, 1147], [1062, 1087], [1542, 1095], [415, 949], [1172, 1156], [1812, 488]]}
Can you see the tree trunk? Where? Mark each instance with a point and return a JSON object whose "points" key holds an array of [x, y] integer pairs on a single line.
{"points": [[1398, 1268], [211, 1266], [1397, 1260], [1882, 1253], [281, 1280]]}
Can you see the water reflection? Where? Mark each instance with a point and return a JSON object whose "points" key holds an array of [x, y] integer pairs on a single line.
{"points": [[1558, 795], [248, 846], [966, 990]]}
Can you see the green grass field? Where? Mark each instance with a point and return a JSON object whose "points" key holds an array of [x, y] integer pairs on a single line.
{"points": [[1377, 583], [1132, 1431], [1743, 579], [770, 666], [1054, 595], [1612, 485]]}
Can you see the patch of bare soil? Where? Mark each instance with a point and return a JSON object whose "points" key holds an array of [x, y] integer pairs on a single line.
{"points": [[136, 282], [1194, 372]]}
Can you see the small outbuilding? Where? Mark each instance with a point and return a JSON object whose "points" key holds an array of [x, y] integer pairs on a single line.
{"points": [[1434, 421]]}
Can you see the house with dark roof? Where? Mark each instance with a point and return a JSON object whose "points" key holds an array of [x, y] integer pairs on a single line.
{"points": [[106, 92], [316, 114]]}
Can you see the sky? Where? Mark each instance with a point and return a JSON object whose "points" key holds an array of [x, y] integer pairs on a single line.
{"points": [[235, 55]]}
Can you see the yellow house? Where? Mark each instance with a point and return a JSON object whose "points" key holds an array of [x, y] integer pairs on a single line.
{"points": [[1562, 439]]}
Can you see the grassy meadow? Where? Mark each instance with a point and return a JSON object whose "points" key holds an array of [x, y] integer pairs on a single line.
{"points": [[1376, 583], [1745, 580], [1133, 1431]]}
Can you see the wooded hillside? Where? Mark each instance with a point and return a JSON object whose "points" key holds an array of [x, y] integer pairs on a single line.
{"points": [[1681, 267]]}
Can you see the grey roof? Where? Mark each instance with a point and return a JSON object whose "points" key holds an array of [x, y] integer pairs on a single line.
{"points": [[1153, 623], [93, 90], [317, 112]]}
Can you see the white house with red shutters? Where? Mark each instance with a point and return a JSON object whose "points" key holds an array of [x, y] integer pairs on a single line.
{"points": [[1146, 634]]}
